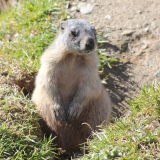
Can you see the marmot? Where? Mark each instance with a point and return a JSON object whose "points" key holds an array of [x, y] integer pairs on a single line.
{"points": [[68, 91]]}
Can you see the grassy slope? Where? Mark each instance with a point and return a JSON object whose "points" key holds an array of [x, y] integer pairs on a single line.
{"points": [[134, 136], [19, 129], [25, 32], [29, 28]]}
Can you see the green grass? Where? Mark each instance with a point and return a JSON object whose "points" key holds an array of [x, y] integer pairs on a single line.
{"points": [[25, 31], [134, 136], [106, 58], [29, 28], [20, 134]]}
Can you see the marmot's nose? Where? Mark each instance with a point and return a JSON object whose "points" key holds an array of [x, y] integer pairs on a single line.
{"points": [[90, 44]]}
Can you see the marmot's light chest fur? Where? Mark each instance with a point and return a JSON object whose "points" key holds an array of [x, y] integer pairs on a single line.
{"points": [[68, 89]]}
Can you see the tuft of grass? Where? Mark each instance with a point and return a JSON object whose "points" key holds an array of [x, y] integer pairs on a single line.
{"points": [[134, 136], [106, 57]]}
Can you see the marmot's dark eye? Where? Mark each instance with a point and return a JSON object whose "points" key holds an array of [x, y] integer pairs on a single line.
{"points": [[74, 33]]}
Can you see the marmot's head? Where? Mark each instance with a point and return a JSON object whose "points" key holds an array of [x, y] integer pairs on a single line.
{"points": [[78, 36]]}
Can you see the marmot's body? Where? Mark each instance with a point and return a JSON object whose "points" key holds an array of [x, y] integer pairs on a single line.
{"points": [[68, 89]]}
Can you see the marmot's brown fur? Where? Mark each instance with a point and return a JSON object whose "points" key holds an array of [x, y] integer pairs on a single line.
{"points": [[68, 90]]}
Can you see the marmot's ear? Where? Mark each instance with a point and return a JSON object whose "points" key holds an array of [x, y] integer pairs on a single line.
{"points": [[62, 26]]}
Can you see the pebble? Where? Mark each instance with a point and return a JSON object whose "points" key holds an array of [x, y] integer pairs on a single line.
{"points": [[146, 29], [128, 32], [107, 17], [125, 7], [139, 11], [146, 63], [93, 1], [74, 3], [154, 25], [85, 8], [68, 17], [157, 74], [138, 26], [74, 8], [96, 4]]}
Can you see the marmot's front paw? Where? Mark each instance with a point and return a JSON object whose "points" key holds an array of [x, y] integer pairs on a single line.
{"points": [[59, 113], [73, 113]]}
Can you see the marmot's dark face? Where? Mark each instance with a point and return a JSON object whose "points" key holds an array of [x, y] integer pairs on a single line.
{"points": [[78, 36]]}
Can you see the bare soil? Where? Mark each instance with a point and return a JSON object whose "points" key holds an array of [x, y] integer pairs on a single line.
{"points": [[132, 29]]}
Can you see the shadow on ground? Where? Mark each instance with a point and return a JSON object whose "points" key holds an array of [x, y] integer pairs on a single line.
{"points": [[120, 87]]}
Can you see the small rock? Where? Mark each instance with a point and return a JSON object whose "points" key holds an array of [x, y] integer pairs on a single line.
{"points": [[128, 32], [139, 11], [93, 1], [154, 25], [68, 17], [74, 8], [74, 3], [157, 74], [125, 7], [146, 29], [146, 63], [138, 26], [85, 9], [156, 46], [96, 4], [107, 17]]}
